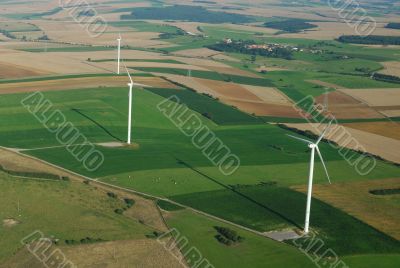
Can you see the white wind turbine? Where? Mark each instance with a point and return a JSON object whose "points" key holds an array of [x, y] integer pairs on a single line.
{"points": [[314, 147], [130, 84], [119, 53]]}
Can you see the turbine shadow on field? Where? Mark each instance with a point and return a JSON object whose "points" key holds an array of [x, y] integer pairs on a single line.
{"points": [[97, 124], [248, 198]]}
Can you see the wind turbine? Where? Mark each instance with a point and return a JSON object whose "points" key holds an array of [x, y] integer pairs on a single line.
{"points": [[130, 84], [119, 53], [314, 147]]}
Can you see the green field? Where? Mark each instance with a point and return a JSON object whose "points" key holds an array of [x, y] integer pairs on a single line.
{"points": [[214, 110], [268, 207], [254, 251]]}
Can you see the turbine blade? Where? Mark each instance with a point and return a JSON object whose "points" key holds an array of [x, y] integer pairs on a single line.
{"points": [[300, 139], [323, 163], [323, 133]]}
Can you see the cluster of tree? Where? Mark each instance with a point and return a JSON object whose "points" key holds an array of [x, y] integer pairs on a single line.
{"points": [[87, 13], [393, 25], [129, 202], [385, 191], [44, 37], [243, 48], [386, 78], [154, 234], [186, 13], [227, 236], [179, 32], [7, 34], [291, 25], [87, 240], [307, 133], [112, 195], [36, 175], [370, 40]]}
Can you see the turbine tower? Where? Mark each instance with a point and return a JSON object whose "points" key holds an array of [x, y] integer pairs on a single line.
{"points": [[119, 53], [314, 147], [130, 84]]}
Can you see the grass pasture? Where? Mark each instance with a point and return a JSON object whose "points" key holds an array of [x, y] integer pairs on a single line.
{"points": [[65, 210]]}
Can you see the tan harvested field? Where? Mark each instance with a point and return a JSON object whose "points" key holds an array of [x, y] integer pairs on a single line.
{"points": [[269, 95], [191, 82], [229, 90], [391, 68], [354, 112], [116, 254], [251, 99], [8, 71], [381, 212], [81, 83], [387, 129], [262, 101], [72, 32], [164, 65], [110, 54], [391, 113], [387, 148], [337, 98], [48, 62], [375, 97], [265, 109], [343, 106]]}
